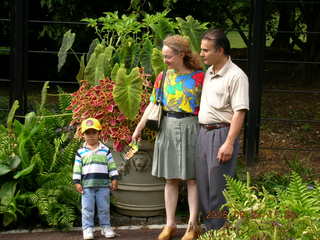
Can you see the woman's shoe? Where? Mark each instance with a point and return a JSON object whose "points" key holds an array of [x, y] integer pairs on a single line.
{"points": [[167, 233], [192, 232]]}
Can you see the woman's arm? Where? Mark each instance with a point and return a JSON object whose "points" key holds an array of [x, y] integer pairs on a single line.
{"points": [[142, 123]]}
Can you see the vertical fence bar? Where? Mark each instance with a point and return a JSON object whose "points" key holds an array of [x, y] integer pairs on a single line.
{"points": [[19, 54], [256, 65]]}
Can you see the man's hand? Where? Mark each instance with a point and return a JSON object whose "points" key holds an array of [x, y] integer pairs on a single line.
{"points": [[114, 185], [225, 152], [79, 188]]}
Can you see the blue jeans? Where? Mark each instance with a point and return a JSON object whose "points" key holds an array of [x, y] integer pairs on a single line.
{"points": [[100, 196]]}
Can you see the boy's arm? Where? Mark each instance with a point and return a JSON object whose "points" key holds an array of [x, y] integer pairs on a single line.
{"points": [[113, 171], [114, 184], [79, 188], [77, 170]]}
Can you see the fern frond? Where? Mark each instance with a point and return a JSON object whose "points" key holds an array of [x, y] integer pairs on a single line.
{"points": [[56, 179], [299, 199], [67, 153], [236, 190], [64, 100]]}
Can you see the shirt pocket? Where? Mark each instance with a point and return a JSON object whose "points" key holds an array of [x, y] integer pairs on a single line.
{"points": [[218, 97]]}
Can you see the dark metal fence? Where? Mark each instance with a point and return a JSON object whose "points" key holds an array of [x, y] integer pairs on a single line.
{"points": [[19, 64]]}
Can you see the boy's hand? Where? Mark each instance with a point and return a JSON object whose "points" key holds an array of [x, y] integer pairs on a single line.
{"points": [[114, 184], [79, 188]]}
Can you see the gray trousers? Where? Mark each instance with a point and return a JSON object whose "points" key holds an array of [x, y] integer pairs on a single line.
{"points": [[210, 175]]}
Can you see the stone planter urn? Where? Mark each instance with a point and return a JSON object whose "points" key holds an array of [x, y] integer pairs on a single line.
{"points": [[139, 193]]}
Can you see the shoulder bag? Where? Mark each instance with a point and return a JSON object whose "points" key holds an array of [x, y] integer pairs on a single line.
{"points": [[155, 109]]}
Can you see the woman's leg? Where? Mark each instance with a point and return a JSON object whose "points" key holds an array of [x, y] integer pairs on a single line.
{"points": [[171, 192], [193, 201], [192, 231]]}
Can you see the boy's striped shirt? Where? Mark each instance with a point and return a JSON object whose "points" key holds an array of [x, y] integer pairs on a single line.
{"points": [[93, 168]]}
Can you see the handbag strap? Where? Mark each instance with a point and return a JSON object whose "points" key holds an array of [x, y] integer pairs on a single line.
{"points": [[164, 73]]}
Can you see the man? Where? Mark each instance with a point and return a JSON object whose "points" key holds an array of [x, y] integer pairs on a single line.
{"points": [[224, 103]]}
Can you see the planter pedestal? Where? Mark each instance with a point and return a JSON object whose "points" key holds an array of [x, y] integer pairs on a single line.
{"points": [[139, 194]]}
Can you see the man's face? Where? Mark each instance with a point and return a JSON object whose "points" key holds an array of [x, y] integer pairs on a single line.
{"points": [[210, 55]]}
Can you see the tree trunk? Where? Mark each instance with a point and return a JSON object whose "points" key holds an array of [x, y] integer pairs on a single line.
{"points": [[285, 27]]}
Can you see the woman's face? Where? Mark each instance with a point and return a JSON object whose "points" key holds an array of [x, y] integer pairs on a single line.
{"points": [[172, 59]]}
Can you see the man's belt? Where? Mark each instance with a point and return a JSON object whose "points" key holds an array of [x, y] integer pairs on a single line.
{"points": [[212, 126]]}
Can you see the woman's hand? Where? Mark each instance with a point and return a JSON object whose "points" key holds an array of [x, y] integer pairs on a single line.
{"points": [[136, 135]]}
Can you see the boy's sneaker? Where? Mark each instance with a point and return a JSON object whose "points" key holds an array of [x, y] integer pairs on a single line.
{"points": [[88, 234], [108, 232]]}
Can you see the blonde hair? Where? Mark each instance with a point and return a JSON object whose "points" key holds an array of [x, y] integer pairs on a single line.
{"points": [[180, 44]]}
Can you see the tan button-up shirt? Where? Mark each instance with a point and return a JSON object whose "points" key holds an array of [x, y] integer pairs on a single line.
{"points": [[223, 93]]}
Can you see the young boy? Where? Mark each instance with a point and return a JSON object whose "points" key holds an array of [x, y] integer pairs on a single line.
{"points": [[92, 167]]}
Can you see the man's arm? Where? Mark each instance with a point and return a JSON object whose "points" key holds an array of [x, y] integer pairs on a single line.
{"points": [[226, 149]]}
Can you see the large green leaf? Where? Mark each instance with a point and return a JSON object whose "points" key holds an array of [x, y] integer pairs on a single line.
{"points": [[4, 169], [80, 75], [30, 121], [127, 91], [13, 162], [94, 70], [11, 114], [7, 203], [67, 42], [193, 29], [25, 171], [161, 29], [146, 56], [7, 192], [9, 217], [92, 47], [44, 94], [114, 72], [108, 65], [157, 61]]}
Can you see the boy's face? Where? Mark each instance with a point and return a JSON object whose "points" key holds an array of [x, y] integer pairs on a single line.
{"points": [[91, 136]]}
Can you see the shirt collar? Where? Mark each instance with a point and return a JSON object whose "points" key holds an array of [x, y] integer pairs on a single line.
{"points": [[222, 71], [99, 146]]}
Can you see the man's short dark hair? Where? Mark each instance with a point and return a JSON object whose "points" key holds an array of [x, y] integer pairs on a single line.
{"points": [[219, 39]]}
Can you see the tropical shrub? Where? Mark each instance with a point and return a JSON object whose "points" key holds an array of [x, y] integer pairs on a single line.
{"points": [[292, 213], [36, 160]]}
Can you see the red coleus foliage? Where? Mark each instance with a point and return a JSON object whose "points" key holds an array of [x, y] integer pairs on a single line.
{"points": [[97, 102]]}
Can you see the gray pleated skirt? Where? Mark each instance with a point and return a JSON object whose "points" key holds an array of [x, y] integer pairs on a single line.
{"points": [[175, 148]]}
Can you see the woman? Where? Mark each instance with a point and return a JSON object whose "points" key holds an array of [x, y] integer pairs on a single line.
{"points": [[174, 151]]}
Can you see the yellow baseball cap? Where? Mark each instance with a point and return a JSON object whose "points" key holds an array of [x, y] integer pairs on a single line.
{"points": [[90, 123]]}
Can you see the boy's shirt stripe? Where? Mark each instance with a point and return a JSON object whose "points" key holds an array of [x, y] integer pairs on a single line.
{"points": [[93, 168]]}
